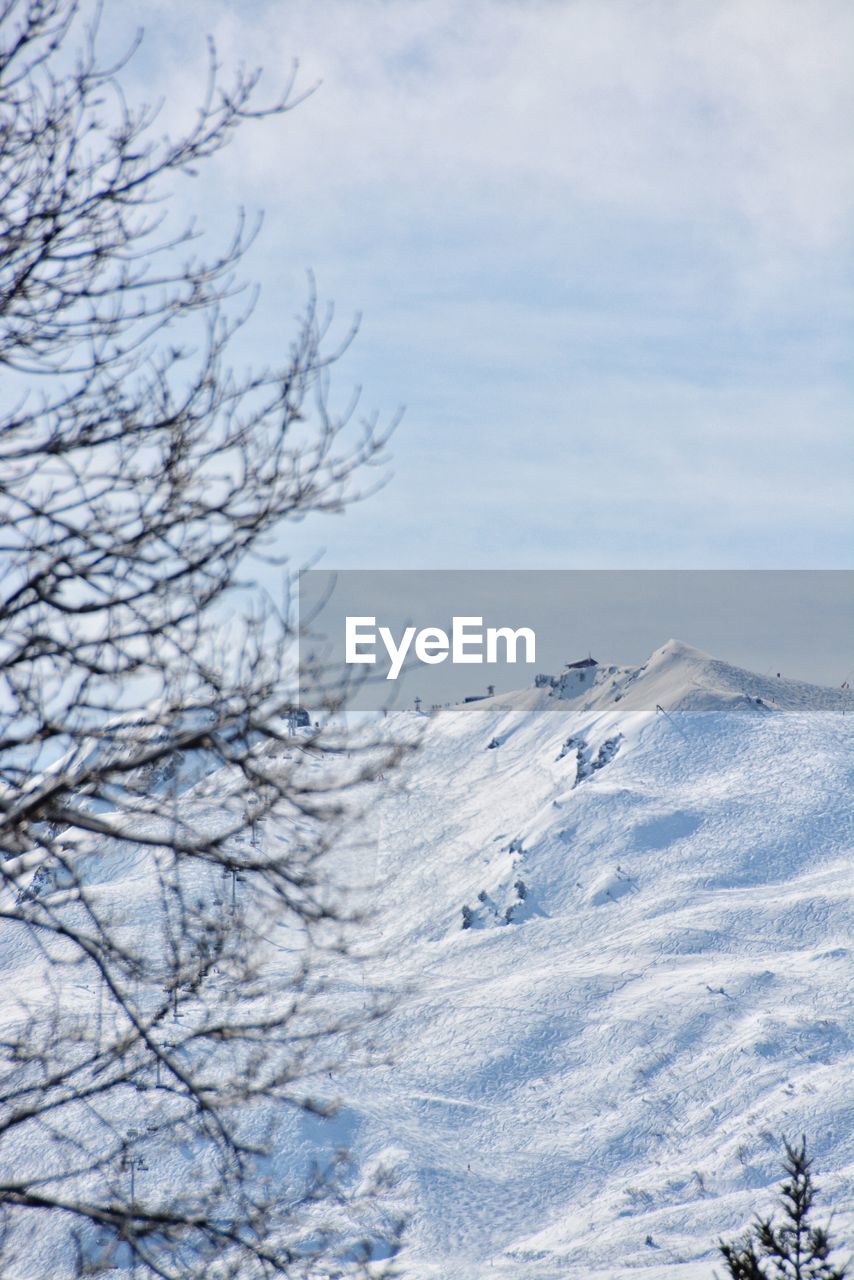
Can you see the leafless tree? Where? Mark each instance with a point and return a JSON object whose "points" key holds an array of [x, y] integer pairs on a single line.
{"points": [[172, 894]]}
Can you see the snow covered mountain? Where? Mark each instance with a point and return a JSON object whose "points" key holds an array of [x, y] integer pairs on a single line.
{"points": [[613, 912], [620, 903]]}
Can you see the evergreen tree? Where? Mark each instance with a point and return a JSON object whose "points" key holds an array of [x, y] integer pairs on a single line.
{"points": [[796, 1250]]}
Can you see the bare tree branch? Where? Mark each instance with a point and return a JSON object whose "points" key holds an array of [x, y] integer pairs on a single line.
{"points": [[173, 898]]}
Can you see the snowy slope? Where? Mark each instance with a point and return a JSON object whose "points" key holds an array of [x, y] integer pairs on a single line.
{"points": [[655, 983]]}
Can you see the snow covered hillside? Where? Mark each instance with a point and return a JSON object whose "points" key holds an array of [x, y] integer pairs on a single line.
{"points": [[613, 914], [620, 904]]}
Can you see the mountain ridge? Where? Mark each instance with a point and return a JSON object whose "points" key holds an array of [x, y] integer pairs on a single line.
{"points": [[612, 917], [664, 990]]}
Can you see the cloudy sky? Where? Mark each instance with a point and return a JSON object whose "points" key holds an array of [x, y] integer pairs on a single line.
{"points": [[603, 255]]}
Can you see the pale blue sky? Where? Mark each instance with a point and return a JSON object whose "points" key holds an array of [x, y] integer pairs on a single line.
{"points": [[604, 257]]}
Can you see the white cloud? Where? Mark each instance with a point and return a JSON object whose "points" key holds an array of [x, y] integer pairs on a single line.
{"points": [[602, 248], [713, 109]]}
